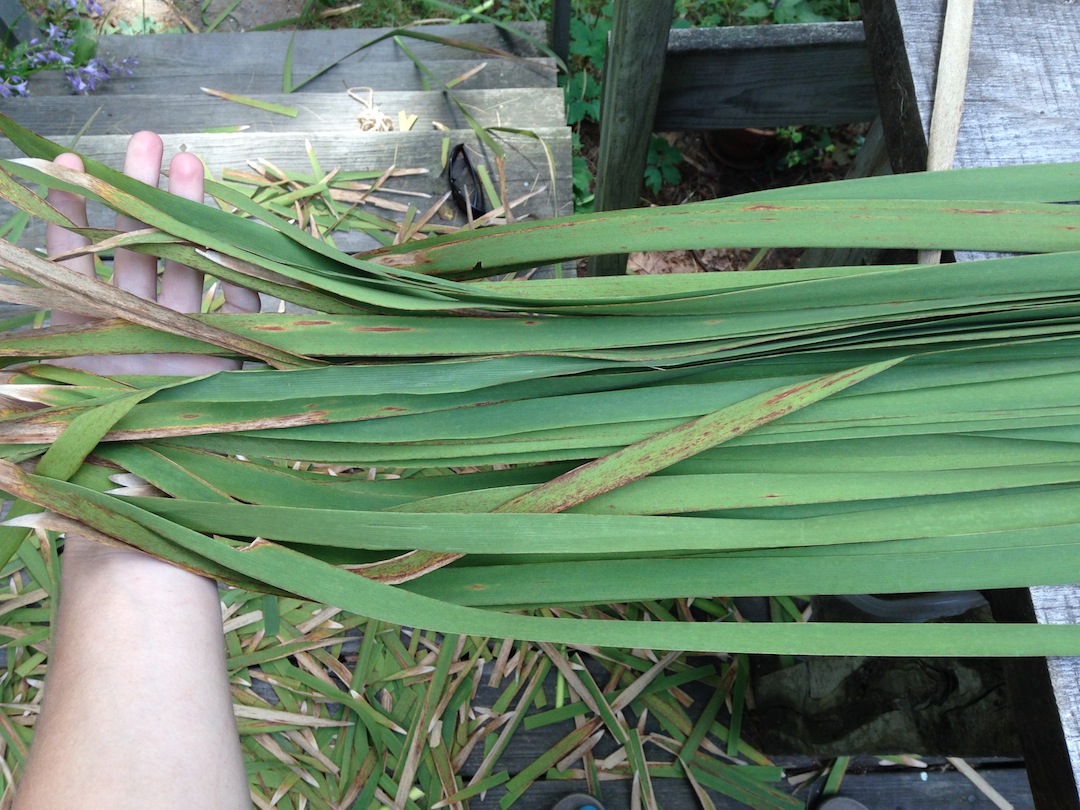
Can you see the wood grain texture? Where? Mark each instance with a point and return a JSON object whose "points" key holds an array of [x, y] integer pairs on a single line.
{"points": [[895, 86], [766, 76], [265, 76], [1023, 98], [1021, 106], [633, 70], [254, 62], [61, 117]]}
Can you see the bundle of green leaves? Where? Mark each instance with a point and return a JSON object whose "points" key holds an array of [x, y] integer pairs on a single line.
{"points": [[441, 452]]}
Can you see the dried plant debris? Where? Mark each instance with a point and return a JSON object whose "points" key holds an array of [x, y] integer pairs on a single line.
{"points": [[339, 711], [374, 202]]}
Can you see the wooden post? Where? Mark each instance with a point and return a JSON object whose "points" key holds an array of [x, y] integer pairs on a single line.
{"points": [[560, 29], [632, 72]]}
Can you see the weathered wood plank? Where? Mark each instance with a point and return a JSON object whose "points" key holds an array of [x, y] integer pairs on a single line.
{"points": [[526, 164], [560, 29], [64, 116], [320, 46], [1035, 709], [266, 77], [632, 74], [1021, 106], [766, 76], [1023, 91], [253, 62]]}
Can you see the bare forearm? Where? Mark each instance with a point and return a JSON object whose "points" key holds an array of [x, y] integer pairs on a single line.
{"points": [[137, 711]]}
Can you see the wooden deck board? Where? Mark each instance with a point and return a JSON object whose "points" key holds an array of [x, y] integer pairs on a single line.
{"points": [[1023, 91], [254, 62], [321, 46], [61, 117], [266, 77], [526, 164]]}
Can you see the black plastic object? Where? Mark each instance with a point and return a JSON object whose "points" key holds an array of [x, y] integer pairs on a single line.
{"points": [[464, 184]]}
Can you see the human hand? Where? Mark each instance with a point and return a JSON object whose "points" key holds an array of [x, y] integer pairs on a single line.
{"points": [[130, 624], [180, 287]]}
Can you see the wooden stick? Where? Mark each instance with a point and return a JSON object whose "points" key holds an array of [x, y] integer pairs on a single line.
{"points": [[977, 780], [949, 94]]}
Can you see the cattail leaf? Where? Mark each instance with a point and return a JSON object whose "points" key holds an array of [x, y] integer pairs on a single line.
{"points": [[645, 457]]}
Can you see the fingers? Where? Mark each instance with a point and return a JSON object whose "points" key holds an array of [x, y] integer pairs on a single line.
{"points": [[239, 299], [60, 240], [137, 272], [181, 286]]}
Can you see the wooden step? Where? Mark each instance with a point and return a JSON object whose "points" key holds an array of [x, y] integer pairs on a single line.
{"points": [[225, 51], [62, 117], [527, 166], [189, 79], [165, 95], [254, 62]]}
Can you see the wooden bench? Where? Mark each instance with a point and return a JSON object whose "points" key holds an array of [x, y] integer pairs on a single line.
{"points": [[1022, 105]]}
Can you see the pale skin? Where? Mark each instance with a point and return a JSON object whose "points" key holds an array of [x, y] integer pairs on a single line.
{"points": [[137, 711]]}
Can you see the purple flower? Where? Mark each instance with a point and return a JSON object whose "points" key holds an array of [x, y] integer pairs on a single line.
{"points": [[57, 50], [93, 74], [86, 79], [13, 86], [54, 49]]}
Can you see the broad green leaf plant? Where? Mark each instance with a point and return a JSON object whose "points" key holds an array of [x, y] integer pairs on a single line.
{"points": [[442, 452]]}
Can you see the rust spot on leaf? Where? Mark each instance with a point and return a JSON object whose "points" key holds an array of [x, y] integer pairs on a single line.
{"points": [[381, 329], [765, 208], [269, 328], [476, 587], [312, 323], [978, 211], [190, 415]]}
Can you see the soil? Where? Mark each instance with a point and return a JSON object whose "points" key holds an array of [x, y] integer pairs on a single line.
{"points": [[722, 164], [188, 14]]}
